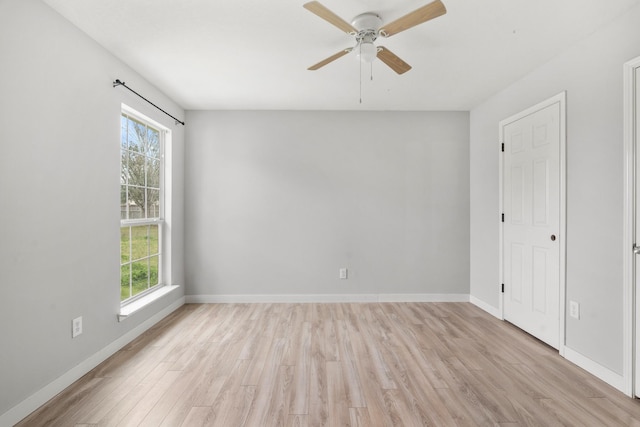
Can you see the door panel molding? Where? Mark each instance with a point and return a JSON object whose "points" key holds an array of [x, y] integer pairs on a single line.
{"points": [[559, 99]]}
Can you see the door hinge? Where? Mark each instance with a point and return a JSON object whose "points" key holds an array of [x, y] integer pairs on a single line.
{"points": [[502, 147], [502, 217], [502, 288]]}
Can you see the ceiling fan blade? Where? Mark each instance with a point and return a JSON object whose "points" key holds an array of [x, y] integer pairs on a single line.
{"points": [[418, 16], [330, 17], [330, 59], [393, 61]]}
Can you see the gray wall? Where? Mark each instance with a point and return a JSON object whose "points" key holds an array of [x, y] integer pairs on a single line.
{"points": [[59, 190], [277, 201], [591, 73]]}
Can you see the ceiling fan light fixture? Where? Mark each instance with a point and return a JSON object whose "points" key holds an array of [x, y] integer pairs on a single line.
{"points": [[367, 27], [366, 51]]}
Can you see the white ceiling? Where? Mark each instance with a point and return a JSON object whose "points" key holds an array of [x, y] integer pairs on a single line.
{"points": [[254, 54]]}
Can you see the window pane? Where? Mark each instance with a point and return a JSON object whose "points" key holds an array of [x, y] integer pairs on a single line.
{"points": [[124, 282], [139, 242], [123, 202], [153, 240], [153, 173], [136, 202], [152, 143], [123, 132], [124, 245], [124, 167], [153, 203], [154, 266], [139, 276], [134, 169], [136, 135]]}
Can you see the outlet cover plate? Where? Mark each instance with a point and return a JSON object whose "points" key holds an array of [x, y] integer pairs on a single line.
{"points": [[76, 327], [574, 309]]}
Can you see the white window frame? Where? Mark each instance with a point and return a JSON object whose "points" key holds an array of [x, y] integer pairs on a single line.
{"points": [[134, 302]]}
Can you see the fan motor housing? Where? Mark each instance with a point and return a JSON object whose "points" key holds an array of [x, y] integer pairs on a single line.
{"points": [[367, 22]]}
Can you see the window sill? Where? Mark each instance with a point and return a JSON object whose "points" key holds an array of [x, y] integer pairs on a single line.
{"points": [[137, 305]]}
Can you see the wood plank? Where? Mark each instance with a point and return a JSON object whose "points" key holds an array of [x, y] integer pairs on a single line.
{"points": [[359, 417], [252, 377], [201, 388], [146, 404], [337, 403], [373, 396], [237, 408], [268, 381], [297, 420], [197, 416], [318, 393], [355, 396], [299, 395]]}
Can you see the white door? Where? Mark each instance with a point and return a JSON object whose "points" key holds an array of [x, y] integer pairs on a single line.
{"points": [[631, 230], [635, 122], [531, 229]]}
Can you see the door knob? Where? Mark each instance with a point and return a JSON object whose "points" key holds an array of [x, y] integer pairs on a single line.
{"points": [[553, 237]]}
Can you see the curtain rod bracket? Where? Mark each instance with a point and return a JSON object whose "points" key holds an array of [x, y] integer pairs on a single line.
{"points": [[117, 82]]}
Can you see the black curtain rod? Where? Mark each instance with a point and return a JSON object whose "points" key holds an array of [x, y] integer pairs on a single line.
{"points": [[117, 82]]}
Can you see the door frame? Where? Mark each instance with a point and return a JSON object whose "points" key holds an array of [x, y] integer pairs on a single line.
{"points": [[561, 99], [631, 298]]}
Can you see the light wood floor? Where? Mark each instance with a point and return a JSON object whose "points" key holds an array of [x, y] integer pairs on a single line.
{"points": [[394, 364]]}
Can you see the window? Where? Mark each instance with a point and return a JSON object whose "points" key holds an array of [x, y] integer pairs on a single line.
{"points": [[141, 206]]}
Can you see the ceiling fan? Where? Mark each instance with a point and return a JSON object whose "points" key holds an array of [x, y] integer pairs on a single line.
{"points": [[367, 27]]}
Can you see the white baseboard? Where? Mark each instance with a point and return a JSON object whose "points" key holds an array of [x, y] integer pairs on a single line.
{"points": [[423, 298], [325, 298], [495, 312], [596, 369], [283, 298], [30, 404]]}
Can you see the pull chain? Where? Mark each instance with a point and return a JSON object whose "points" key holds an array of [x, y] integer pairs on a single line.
{"points": [[360, 61]]}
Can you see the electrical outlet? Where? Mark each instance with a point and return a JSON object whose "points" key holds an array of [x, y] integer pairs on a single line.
{"points": [[574, 309], [343, 273], [76, 327]]}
